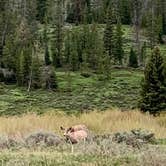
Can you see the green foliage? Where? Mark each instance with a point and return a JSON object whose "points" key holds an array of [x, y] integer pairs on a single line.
{"points": [[143, 53], [71, 50], [154, 28], [35, 73], [41, 10], [51, 81], [46, 49], [133, 61], [118, 50], [124, 11], [153, 94], [47, 55], [57, 34], [109, 34], [75, 93], [104, 67], [73, 58], [23, 68]]}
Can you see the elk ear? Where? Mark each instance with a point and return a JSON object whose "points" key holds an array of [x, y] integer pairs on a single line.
{"points": [[62, 128], [71, 129]]}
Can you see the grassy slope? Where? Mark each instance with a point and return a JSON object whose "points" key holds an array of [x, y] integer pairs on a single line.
{"points": [[86, 94]]}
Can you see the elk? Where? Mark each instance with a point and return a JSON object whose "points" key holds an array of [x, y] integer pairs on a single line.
{"points": [[75, 133]]}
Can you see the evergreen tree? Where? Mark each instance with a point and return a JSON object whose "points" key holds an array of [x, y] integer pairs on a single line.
{"points": [[57, 35], [35, 74], [104, 67], [24, 53], [109, 34], [154, 25], [7, 29], [73, 58], [96, 46], [25, 40], [143, 53], [86, 45], [153, 94], [46, 49], [163, 4], [67, 47], [21, 70], [133, 62], [41, 10], [118, 51], [125, 11]]}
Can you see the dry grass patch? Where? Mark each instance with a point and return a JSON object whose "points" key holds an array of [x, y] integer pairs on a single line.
{"points": [[99, 122]]}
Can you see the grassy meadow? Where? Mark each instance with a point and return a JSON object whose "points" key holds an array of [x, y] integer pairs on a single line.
{"points": [[110, 121], [100, 153]]}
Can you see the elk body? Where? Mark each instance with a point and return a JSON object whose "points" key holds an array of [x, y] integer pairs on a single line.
{"points": [[75, 133]]}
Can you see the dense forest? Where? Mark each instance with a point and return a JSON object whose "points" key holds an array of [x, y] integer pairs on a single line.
{"points": [[40, 37]]}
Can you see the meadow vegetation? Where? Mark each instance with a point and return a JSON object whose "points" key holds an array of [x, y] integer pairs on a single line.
{"points": [[85, 94], [100, 151], [110, 121]]}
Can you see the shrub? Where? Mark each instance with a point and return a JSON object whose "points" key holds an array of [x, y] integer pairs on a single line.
{"points": [[43, 139]]}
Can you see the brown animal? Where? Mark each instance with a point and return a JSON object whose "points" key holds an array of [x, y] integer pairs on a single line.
{"points": [[75, 133]]}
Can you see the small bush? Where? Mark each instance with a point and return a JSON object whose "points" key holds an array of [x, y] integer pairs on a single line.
{"points": [[7, 142], [135, 138], [43, 139]]}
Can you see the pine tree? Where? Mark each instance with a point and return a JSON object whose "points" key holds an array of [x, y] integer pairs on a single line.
{"points": [[46, 51], [25, 40], [154, 25], [163, 3], [143, 53], [24, 53], [133, 62], [20, 70], [96, 46], [118, 51], [57, 35], [41, 10], [86, 46], [7, 30], [109, 34], [73, 58], [35, 74], [104, 67], [153, 94], [125, 11], [67, 47]]}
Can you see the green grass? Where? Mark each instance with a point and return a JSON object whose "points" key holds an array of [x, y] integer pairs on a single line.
{"points": [[118, 155], [122, 91], [57, 159]]}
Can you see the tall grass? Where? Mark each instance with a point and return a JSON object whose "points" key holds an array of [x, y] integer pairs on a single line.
{"points": [[98, 122]]}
